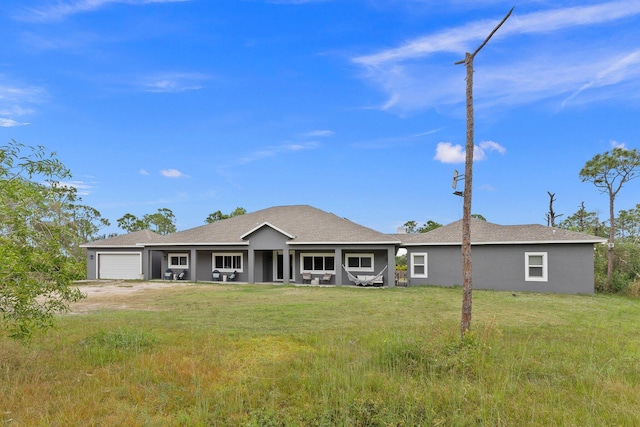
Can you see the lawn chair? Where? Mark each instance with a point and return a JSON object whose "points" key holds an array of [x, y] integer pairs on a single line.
{"points": [[182, 275], [216, 276], [232, 277], [168, 275], [326, 278], [306, 277]]}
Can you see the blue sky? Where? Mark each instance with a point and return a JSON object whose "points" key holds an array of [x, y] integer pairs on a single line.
{"points": [[352, 106]]}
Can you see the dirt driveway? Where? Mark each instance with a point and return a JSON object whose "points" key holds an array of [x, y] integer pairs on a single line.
{"points": [[115, 294]]}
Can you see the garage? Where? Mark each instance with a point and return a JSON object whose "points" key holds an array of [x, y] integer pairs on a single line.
{"points": [[120, 265]]}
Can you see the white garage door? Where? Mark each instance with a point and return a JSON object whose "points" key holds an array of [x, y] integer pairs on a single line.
{"points": [[120, 266]]}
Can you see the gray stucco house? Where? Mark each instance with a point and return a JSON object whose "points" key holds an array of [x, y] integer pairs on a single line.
{"points": [[531, 258], [280, 244]]}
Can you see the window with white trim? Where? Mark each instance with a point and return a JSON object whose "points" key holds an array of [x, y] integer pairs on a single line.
{"points": [[228, 262], [419, 264], [359, 262], [536, 266], [178, 260], [317, 263]]}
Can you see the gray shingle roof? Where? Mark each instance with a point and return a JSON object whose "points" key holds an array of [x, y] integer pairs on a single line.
{"points": [[134, 239], [483, 232], [305, 223]]}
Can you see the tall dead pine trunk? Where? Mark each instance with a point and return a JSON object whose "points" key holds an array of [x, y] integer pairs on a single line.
{"points": [[465, 323]]}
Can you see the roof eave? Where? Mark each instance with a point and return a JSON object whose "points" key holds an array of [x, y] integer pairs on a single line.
{"points": [[507, 242]]}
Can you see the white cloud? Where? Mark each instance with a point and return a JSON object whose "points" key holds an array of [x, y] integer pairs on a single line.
{"points": [[173, 82], [616, 144], [460, 39], [8, 123], [82, 188], [274, 150], [62, 9], [171, 173], [446, 152], [539, 66], [319, 133], [143, 172]]}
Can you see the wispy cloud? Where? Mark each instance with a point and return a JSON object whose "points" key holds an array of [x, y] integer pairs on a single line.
{"points": [[9, 123], [318, 133], [15, 102], [617, 144], [447, 152], [173, 82], [274, 150], [172, 173], [63, 9], [416, 75], [143, 172], [82, 188]]}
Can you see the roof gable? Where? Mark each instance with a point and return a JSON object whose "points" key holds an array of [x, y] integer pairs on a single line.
{"points": [[266, 224]]}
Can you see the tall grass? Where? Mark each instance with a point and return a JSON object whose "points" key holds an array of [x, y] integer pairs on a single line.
{"points": [[281, 355]]}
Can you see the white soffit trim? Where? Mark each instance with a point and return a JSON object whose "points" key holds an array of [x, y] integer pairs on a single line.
{"points": [[395, 242], [508, 242], [259, 226]]}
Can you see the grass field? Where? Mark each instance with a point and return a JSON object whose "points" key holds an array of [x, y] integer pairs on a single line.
{"points": [[245, 355]]}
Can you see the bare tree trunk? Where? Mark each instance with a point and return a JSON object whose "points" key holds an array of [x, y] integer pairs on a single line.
{"points": [[467, 276], [612, 234], [465, 323]]}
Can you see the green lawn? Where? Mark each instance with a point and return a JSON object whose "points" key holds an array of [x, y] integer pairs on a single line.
{"points": [[244, 355]]}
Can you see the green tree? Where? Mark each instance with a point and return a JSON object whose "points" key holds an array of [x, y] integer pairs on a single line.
{"points": [[584, 221], [36, 241], [609, 172], [219, 216], [628, 225], [161, 222], [428, 226], [131, 223], [410, 227]]}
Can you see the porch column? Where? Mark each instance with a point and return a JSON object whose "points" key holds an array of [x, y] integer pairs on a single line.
{"points": [[285, 266], [251, 265], [146, 264], [338, 265], [391, 270], [193, 266]]}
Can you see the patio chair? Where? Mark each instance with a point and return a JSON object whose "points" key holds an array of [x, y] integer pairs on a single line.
{"points": [[216, 276], [305, 277], [326, 278], [182, 275], [168, 275], [232, 277]]}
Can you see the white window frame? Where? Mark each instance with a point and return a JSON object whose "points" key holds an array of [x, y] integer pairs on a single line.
{"points": [[545, 267], [177, 255], [231, 269], [324, 262], [359, 256], [425, 265]]}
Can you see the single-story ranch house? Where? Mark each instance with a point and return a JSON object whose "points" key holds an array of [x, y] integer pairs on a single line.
{"points": [[279, 244], [302, 244]]}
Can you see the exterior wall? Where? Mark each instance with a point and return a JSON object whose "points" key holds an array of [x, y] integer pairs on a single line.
{"points": [[502, 267], [257, 259], [92, 259], [383, 255]]}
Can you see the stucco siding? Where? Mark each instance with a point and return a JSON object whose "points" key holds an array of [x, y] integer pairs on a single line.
{"points": [[503, 267]]}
